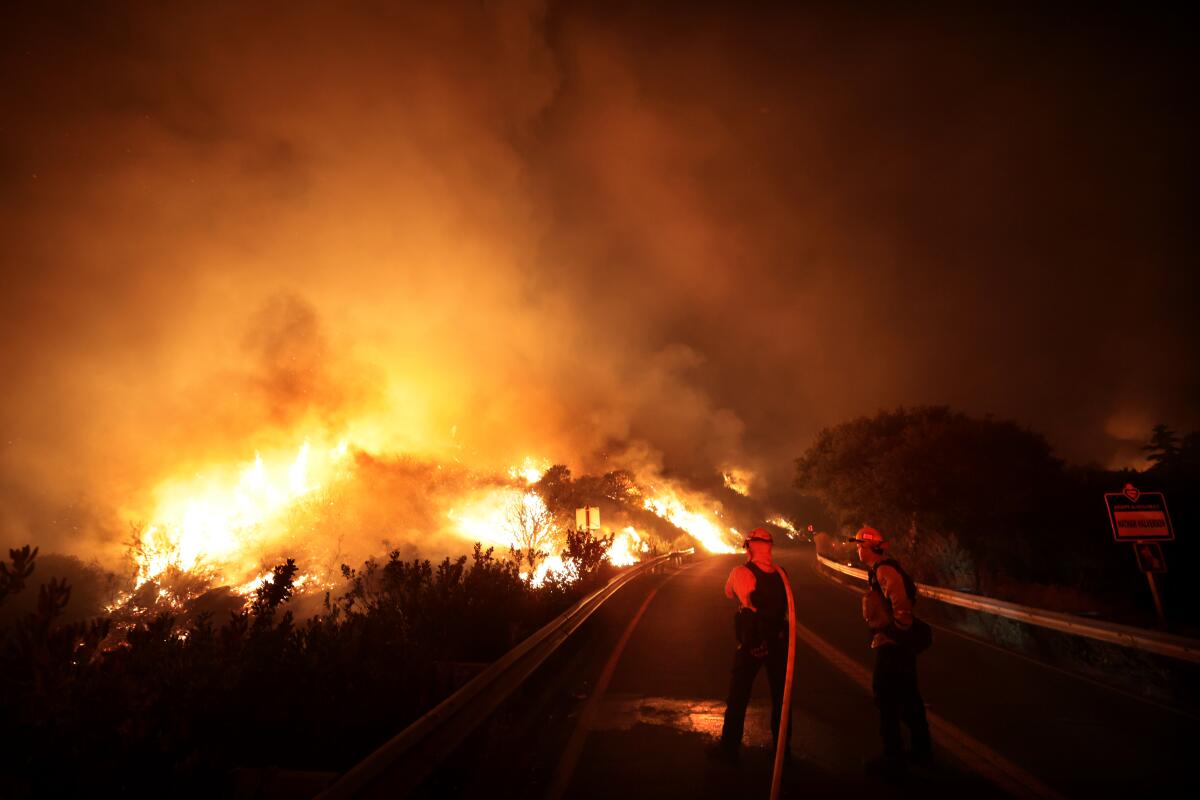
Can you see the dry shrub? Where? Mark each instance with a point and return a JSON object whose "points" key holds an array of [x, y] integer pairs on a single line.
{"points": [[939, 559]]}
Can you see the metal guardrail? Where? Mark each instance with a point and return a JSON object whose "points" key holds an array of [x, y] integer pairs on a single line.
{"points": [[399, 766], [1164, 644]]}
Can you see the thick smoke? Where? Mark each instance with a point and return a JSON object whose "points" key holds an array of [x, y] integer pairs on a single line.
{"points": [[677, 240]]}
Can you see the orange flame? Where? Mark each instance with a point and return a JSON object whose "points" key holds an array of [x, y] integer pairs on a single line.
{"points": [[738, 480], [217, 524], [682, 512], [218, 520], [530, 470], [787, 526], [483, 516], [627, 548], [552, 565]]}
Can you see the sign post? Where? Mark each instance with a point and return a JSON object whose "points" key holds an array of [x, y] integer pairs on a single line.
{"points": [[1150, 561], [1141, 519], [587, 518]]}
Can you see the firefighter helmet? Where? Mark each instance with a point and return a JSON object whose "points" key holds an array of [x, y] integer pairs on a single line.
{"points": [[759, 535], [870, 537]]}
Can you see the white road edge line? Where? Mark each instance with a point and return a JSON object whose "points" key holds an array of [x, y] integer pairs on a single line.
{"points": [[565, 770], [972, 752]]}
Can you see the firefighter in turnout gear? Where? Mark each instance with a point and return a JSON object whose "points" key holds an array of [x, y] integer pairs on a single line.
{"points": [[761, 626], [888, 611]]}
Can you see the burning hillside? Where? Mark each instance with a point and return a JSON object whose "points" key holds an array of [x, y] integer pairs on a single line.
{"points": [[329, 501]]}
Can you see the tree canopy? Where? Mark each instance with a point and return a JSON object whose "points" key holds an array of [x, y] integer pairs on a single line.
{"points": [[928, 466]]}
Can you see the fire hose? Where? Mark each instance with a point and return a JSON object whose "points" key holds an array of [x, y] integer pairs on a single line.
{"points": [[785, 715]]}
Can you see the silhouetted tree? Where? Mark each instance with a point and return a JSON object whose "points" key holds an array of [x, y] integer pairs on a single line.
{"points": [[980, 484], [586, 552], [558, 492], [12, 578], [275, 591], [1162, 449], [927, 465], [563, 495]]}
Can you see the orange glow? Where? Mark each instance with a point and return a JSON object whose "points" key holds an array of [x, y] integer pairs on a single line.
{"points": [[738, 480], [627, 548], [483, 516], [300, 583], [480, 516], [787, 526], [684, 512], [227, 522], [552, 565], [220, 520], [530, 470]]}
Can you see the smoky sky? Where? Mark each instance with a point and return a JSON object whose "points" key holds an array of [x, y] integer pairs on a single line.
{"points": [[678, 237]]}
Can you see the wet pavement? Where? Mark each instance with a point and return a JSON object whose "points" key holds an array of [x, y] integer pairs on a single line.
{"points": [[1003, 724], [666, 703]]}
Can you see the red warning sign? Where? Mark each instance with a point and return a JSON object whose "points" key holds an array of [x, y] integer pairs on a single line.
{"points": [[1139, 516]]}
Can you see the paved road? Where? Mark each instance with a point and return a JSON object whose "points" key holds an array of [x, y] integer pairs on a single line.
{"points": [[1006, 725]]}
